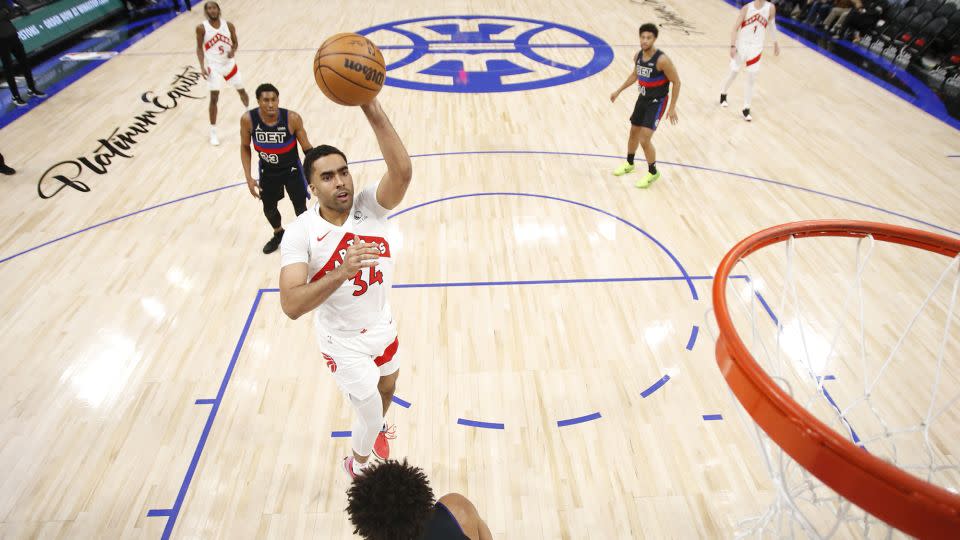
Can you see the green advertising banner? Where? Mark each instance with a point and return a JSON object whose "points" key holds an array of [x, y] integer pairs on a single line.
{"points": [[54, 21]]}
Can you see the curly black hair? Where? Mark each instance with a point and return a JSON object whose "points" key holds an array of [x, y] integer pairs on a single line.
{"points": [[390, 501]]}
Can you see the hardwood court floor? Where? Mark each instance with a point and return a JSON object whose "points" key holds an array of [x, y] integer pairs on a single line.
{"points": [[110, 336]]}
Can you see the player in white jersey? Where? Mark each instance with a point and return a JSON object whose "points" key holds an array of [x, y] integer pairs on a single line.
{"points": [[336, 260], [216, 45], [746, 47]]}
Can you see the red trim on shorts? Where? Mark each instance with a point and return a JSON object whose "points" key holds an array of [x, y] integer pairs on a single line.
{"points": [[234, 72], [387, 353], [663, 108], [754, 60]]}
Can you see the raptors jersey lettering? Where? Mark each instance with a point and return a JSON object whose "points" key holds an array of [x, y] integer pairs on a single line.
{"points": [[217, 43], [753, 31], [360, 303]]}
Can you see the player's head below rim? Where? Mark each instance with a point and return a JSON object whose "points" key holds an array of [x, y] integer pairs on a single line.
{"points": [[329, 179], [212, 10], [648, 36], [394, 499], [268, 99]]}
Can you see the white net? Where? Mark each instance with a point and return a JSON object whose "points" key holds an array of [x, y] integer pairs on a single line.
{"points": [[863, 335]]}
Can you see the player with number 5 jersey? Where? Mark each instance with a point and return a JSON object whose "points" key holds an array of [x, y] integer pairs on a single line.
{"points": [[337, 261]]}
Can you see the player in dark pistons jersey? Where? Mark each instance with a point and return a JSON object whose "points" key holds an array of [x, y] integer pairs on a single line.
{"points": [[274, 133], [655, 75], [394, 500]]}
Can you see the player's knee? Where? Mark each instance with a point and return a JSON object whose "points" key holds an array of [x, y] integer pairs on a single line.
{"points": [[387, 385]]}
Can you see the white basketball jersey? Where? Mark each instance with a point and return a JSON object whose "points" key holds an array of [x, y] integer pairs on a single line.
{"points": [[360, 303], [217, 42], [753, 31]]}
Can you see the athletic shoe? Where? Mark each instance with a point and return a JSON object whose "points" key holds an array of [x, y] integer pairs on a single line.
{"points": [[348, 467], [273, 243], [381, 448], [623, 169], [647, 180]]}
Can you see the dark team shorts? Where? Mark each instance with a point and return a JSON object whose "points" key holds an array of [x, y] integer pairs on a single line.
{"points": [[648, 112], [273, 182]]}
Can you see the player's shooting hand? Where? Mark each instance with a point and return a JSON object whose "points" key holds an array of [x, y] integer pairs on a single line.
{"points": [[360, 255]]}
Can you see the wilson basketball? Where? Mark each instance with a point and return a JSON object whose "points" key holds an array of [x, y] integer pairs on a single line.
{"points": [[349, 69]]}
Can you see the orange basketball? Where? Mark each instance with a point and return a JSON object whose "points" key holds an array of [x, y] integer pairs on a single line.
{"points": [[349, 69]]}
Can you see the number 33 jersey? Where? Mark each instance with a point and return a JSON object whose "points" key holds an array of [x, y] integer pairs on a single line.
{"points": [[360, 303], [276, 144]]}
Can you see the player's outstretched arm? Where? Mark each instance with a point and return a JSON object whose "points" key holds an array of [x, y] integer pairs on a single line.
{"points": [[395, 182]]}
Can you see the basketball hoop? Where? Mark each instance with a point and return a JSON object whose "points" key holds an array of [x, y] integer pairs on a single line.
{"points": [[852, 467]]}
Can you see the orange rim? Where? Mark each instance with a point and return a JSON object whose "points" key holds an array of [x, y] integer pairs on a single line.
{"points": [[904, 501]]}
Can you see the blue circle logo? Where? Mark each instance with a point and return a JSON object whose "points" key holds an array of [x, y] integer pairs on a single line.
{"points": [[479, 54]]}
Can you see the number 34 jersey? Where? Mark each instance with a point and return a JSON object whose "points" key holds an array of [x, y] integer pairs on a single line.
{"points": [[360, 303]]}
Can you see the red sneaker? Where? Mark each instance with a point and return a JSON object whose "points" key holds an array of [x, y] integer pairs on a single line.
{"points": [[381, 448], [348, 467]]}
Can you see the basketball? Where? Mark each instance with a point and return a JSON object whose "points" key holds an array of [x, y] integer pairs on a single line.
{"points": [[349, 69]]}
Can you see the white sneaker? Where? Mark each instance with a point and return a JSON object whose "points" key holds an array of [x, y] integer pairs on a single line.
{"points": [[746, 115], [213, 139]]}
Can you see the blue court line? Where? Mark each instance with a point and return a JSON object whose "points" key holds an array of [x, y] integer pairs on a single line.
{"points": [[173, 513], [400, 402], [578, 420], [713, 417], [207, 401], [478, 424], [763, 302], [513, 152], [118, 218], [683, 271], [693, 337], [655, 386], [543, 282], [853, 433]]}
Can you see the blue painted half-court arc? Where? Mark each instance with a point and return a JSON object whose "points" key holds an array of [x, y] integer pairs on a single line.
{"points": [[553, 319]]}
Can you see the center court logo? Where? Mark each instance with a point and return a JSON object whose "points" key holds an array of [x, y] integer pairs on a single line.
{"points": [[479, 54]]}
